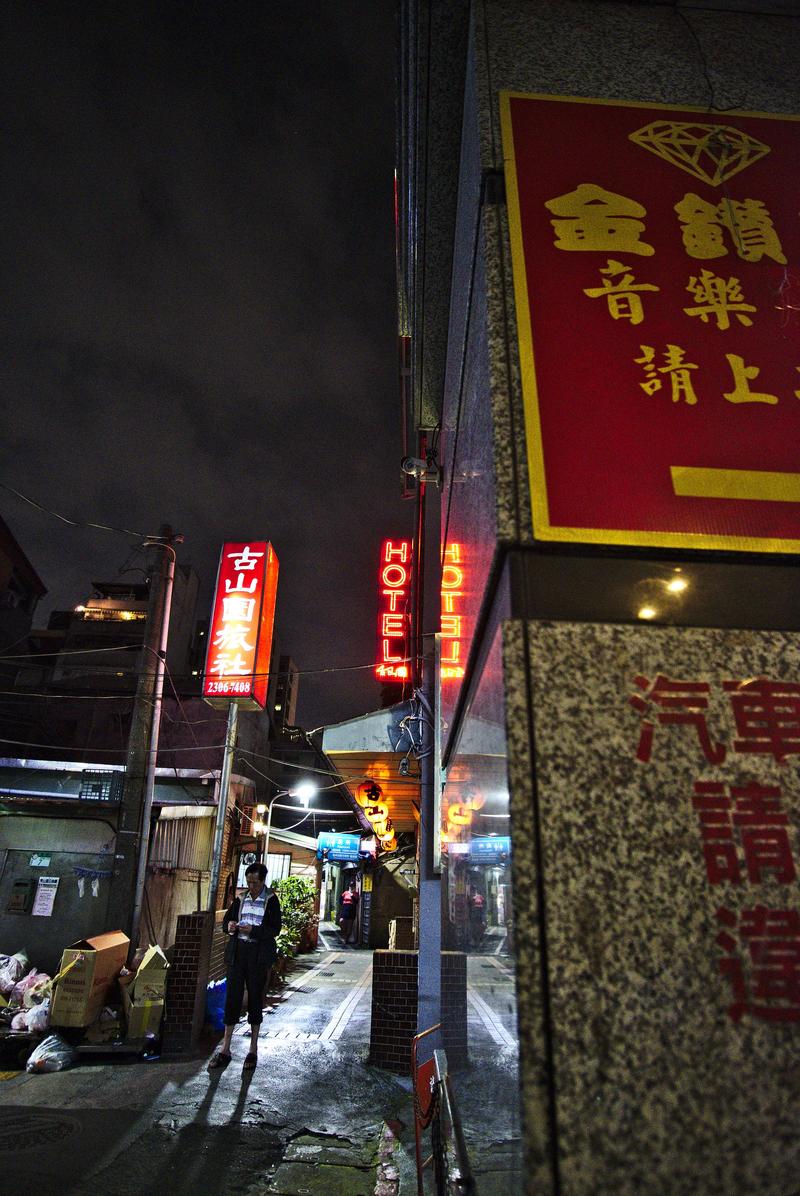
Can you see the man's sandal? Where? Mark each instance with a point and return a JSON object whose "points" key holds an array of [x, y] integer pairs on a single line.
{"points": [[251, 1059], [220, 1059]]}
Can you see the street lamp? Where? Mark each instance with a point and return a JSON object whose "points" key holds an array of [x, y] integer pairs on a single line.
{"points": [[305, 791]]}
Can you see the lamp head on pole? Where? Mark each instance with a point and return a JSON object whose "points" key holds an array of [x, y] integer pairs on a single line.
{"points": [[305, 791]]}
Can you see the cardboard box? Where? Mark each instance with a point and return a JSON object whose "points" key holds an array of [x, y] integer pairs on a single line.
{"points": [[82, 992], [143, 1017], [106, 1029], [150, 981]]}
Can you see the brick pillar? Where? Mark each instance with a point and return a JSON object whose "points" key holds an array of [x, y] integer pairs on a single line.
{"points": [[454, 1008], [186, 982], [394, 1010], [216, 967]]}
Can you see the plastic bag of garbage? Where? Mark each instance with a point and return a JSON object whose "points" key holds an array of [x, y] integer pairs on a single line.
{"points": [[215, 1004], [38, 991], [19, 1023], [15, 997], [38, 1017], [15, 968], [52, 1054]]}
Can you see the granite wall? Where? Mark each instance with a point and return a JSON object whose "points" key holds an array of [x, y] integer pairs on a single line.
{"points": [[657, 906]]}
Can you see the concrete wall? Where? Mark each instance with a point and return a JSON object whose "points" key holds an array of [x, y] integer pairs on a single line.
{"points": [[74, 849], [659, 1051]]}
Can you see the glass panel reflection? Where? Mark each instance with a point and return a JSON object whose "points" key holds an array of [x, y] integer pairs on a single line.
{"points": [[477, 919]]}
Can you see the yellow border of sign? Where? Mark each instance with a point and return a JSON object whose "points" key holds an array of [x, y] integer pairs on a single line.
{"points": [[542, 527]]}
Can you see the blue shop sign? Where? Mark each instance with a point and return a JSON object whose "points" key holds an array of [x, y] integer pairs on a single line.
{"points": [[493, 850], [335, 847]]}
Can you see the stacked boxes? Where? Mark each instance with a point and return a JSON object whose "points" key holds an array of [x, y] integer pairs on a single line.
{"points": [[90, 968], [143, 995]]}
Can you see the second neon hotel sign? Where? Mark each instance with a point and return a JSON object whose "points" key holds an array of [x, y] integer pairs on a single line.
{"points": [[658, 308]]}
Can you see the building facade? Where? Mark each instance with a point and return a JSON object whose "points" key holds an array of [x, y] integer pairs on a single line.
{"points": [[66, 712], [629, 636]]}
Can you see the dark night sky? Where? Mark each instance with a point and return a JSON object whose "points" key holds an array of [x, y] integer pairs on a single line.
{"points": [[199, 327]]}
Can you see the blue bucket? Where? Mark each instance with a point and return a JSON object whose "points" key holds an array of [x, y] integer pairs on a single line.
{"points": [[215, 1004]]}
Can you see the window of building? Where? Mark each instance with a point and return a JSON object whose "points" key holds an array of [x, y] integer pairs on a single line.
{"points": [[100, 615]]}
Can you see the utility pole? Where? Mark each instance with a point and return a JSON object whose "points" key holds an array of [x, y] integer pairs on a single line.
{"points": [[426, 616], [133, 826], [429, 1000], [222, 803]]}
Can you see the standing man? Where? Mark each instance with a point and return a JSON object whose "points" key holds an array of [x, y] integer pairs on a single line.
{"points": [[253, 924], [477, 909], [348, 908]]}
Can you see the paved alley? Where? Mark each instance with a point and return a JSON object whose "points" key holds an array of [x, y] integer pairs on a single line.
{"points": [[310, 1119]]}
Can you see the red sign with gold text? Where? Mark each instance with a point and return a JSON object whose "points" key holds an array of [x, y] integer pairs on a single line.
{"points": [[655, 254], [240, 635]]}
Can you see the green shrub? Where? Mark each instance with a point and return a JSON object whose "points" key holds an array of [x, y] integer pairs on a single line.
{"points": [[297, 897], [287, 942]]}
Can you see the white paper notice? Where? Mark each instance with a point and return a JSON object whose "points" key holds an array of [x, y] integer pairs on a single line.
{"points": [[45, 896]]}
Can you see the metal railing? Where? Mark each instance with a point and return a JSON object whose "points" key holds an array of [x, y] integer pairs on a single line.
{"points": [[435, 1109]]}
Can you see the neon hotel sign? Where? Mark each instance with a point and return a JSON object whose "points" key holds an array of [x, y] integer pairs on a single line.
{"points": [[393, 620]]}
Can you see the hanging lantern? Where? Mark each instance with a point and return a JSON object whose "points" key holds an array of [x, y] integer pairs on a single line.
{"points": [[368, 793]]}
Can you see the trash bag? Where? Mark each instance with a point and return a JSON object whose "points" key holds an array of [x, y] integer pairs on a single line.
{"points": [[38, 1017], [19, 1023], [17, 994], [52, 1054], [37, 992], [15, 968], [215, 1004]]}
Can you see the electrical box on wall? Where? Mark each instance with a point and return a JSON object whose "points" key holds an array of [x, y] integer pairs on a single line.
{"points": [[21, 896]]}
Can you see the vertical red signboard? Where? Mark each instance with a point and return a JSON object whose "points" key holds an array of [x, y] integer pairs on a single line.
{"points": [[452, 626], [394, 589], [657, 289], [242, 620]]}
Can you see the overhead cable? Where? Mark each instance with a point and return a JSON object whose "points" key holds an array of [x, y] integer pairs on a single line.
{"points": [[103, 527]]}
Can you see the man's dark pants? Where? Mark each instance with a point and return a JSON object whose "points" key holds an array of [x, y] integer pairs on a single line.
{"points": [[245, 972]]}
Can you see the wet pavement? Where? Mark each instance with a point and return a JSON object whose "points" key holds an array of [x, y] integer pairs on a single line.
{"points": [[312, 1118]]}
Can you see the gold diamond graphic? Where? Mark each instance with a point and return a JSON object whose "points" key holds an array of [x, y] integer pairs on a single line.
{"points": [[712, 153]]}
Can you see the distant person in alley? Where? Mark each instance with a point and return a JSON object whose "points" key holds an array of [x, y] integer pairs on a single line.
{"points": [[477, 917], [348, 908], [253, 923]]}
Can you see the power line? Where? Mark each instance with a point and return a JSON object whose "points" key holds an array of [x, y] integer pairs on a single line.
{"points": [[71, 651], [23, 693], [60, 747], [175, 692], [321, 771], [103, 527], [57, 652], [272, 781]]}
